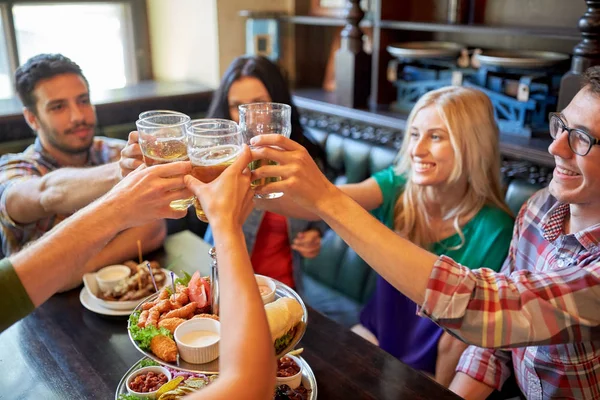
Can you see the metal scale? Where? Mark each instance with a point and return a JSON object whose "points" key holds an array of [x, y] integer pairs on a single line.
{"points": [[523, 86]]}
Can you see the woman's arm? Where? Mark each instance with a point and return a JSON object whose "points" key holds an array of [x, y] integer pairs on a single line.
{"points": [[247, 357], [470, 303]]}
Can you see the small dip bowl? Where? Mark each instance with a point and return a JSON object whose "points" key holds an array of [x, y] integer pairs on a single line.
{"points": [[156, 370], [266, 286], [109, 277], [286, 367], [198, 340]]}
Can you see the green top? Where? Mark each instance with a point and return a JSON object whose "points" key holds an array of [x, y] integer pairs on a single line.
{"points": [[391, 316], [487, 235], [14, 301]]}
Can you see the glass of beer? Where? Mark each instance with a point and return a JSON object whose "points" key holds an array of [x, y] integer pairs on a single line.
{"points": [[162, 139], [212, 146], [261, 119]]}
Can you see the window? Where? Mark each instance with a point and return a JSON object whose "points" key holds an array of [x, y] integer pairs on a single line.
{"points": [[97, 36], [6, 88]]}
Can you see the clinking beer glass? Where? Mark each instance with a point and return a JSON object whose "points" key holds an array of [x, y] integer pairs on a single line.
{"points": [[212, 146], [162, 139], [261, 119]]}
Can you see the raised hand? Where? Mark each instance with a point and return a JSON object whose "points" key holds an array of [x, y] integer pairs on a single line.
{"points": [[308, 243], [131, 155], [227, 199], [145, 194], [301, 178]]}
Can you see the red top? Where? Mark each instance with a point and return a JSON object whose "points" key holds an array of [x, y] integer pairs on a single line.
{"points": [[272, 254]]}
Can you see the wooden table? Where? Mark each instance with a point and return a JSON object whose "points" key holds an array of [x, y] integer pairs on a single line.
{"points": [[63, 351]]}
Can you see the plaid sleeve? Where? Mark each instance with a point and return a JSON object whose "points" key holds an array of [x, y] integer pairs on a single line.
{"points": [[522, 309], [13, 170], [490, 366]]}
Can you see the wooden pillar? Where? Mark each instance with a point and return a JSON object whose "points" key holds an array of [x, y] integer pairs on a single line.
{"points": [[352, 64], [586, 54]]}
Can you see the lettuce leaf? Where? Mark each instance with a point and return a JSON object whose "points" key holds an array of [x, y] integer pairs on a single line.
{"points": [[282, 342], [143, 336], [184, 280]]}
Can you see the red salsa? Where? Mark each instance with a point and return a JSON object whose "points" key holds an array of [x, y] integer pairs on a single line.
{"points": [[148, 382], [287, 367]]}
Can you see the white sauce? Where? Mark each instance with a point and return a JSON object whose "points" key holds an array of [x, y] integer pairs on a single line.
{"points": [[264, 290], [199, 338]]}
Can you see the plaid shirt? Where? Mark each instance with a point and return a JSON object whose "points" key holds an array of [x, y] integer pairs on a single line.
{"points": [[548, 294], [36, 162]]}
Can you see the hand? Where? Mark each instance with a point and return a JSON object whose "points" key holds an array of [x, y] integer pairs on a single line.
{"points": [[308, 243], [227, 199], [131, 155], [145, 194], [300, 176]]}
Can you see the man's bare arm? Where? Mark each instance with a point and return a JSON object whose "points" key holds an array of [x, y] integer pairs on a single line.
{"points": [[124, 247], [63, 191]]}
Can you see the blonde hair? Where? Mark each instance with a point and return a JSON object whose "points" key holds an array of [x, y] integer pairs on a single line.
{"points": [[469, 118]]}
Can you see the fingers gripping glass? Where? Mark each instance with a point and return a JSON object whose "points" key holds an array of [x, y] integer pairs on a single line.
{"points": [[260, 119], [162, 140], [213, 145], [580, 142]]}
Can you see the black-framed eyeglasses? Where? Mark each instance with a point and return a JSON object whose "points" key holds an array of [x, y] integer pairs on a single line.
{"points": [[580, 141]]}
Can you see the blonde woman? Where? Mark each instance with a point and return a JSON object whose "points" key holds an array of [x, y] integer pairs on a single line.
{"points": [[444, 194]]}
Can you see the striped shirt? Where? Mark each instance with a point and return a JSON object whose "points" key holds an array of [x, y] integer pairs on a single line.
{"points": [[36, 162], [539, 317]]}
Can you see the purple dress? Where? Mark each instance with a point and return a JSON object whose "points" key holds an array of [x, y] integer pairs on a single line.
{"points": [[391, 316]]}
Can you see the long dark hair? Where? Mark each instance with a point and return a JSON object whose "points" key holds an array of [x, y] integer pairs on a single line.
{"points": [[271, 76]]}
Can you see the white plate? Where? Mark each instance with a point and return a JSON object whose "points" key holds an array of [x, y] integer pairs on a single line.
{"points": [[91, 304], [89, 281]]}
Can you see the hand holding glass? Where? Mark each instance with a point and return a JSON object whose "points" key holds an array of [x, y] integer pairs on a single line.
{"points": [[212, 145], [261, 119], [162, 139]]}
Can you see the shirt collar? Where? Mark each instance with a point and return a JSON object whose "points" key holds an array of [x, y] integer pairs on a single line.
{"points": [[553, 222], [92, 158]]}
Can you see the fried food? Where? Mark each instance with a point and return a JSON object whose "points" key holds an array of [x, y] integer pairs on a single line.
{"points": [[143, 318], [171, 323], [164, 348], [139, 283], [153, 317], [183, 312]]}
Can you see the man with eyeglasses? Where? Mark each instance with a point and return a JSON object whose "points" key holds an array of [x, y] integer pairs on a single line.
{"points": [[557, 231], [539, 318]]}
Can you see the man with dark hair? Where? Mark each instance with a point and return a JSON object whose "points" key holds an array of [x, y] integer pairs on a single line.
{"points": [[66, 168]]}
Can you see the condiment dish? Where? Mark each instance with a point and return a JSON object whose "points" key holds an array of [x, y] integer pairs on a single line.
{"points": [[198, 340], [293, 381], [109, 277], [155, 369], [267, 287]]}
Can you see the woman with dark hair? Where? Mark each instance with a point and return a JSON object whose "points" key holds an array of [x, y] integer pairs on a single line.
{"points": [[276, 243]]}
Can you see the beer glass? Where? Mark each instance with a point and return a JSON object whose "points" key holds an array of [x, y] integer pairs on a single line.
{"points": [[212, 146], [261, 119], [162, 139]]}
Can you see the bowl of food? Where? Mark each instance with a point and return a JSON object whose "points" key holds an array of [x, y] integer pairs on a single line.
{"points": [[267, 287], [145, 382], [111, 276], [128, 292], [198, 340], [289, 371]]}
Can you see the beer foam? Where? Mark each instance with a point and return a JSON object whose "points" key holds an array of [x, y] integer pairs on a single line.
{"points": [[214, 155]]}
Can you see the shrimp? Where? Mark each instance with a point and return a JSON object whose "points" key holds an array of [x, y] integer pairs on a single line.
{"points": [[184, 312], [180, 298], [171, 323], [143, 317], [153, 316]]}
